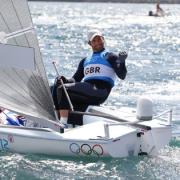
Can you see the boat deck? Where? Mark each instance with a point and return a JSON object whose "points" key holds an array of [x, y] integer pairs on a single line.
{"points": [[93, 130], [96, 130]]}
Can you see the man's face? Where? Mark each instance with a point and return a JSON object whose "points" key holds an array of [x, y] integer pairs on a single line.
{"points": [[97, 43]]}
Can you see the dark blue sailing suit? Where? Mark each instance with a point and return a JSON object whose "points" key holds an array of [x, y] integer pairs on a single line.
{"points": [[94, 80]]}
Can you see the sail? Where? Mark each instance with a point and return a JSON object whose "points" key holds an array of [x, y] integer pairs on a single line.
{"points": [[23, 82]]}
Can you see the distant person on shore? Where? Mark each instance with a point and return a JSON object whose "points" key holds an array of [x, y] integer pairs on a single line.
{"points": [[92, 82]]}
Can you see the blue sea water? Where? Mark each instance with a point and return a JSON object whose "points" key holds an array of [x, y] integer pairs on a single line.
{"points": [[153, 46]]}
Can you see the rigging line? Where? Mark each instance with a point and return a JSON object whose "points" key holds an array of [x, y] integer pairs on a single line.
{"points": [[20, 22], [64, 88], [19, 33], [7, 27]]}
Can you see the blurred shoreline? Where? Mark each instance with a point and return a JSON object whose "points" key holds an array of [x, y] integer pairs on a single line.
{"points": [[117, 1]]}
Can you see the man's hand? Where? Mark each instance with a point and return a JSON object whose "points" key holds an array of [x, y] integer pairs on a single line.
{"points": [[112, 57], [58, 81], [117, 58], [122, 56]]}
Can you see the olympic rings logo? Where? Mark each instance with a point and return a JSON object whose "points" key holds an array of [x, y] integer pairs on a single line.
{"points": [[86, 149]]}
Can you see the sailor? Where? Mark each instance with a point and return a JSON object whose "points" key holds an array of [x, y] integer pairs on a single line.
{"points": [[158, 13], [159, 10], [92, 82]]}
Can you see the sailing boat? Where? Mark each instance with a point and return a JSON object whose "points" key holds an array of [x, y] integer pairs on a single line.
{"points": [[24, 90]]}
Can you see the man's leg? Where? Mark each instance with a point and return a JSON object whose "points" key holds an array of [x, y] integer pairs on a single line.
{"points": [[81, 94]]}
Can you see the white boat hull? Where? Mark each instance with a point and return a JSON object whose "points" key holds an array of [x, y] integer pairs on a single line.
{"points": [[89, 140]]}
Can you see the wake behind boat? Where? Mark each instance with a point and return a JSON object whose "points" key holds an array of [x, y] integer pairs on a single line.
{"points": [[24, 90]]}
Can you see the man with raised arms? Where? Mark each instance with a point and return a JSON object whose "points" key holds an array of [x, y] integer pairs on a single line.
{"points": [[92, 82]]}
